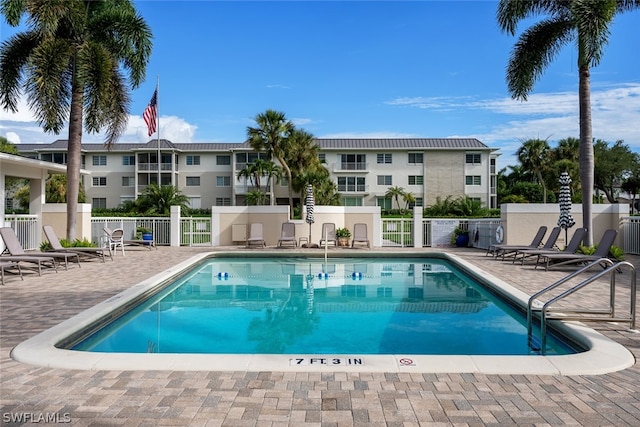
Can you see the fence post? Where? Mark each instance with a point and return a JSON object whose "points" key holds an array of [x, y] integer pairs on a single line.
{"points": [[175, 237], [417, 227]]}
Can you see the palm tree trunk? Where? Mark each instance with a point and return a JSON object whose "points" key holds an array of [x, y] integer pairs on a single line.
{"points": [[74, 156], [290, 188], [586, 152]]}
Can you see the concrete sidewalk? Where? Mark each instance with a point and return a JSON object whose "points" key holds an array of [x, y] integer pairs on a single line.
{"points": [[134, 398]]}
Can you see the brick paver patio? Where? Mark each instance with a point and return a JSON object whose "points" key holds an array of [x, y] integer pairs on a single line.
{"points": [[149, 398]]}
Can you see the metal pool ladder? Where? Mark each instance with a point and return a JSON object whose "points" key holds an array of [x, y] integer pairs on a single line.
{"points": [[604, 315]]}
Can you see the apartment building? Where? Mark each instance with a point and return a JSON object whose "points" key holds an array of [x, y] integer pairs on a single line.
{"points": [[363, 170]]}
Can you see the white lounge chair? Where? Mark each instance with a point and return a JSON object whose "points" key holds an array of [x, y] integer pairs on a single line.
{"points": [[288, 235], [255, 235], [328, 234], [360, 235]]}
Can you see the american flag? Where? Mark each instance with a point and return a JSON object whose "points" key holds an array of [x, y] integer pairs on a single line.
{"points": [[150, 113]]}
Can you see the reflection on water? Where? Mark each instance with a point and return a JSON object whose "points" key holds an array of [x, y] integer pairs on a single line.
{"points": [[297, 307]]}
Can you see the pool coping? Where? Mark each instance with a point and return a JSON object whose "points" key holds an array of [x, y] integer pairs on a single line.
{"points": [[603, 355]]}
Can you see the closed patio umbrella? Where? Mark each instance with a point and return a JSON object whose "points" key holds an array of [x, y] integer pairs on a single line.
{"points": [[310, 202], [565, 221]]}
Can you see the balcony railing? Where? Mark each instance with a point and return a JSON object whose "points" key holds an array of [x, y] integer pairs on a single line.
{"points": [[350, 166], [154, 166]]}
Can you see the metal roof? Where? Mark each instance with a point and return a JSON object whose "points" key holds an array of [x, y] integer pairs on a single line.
{"points": [[323, 143], [399, 143]]}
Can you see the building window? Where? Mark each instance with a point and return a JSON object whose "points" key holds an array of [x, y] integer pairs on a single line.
{"points": [[128, 181], [193, 181], [284, 181], [415, 158], [384, 203], [322, 157], [223, 160], [352, 201], [223, 181], [351, 184], [99, 160], [472, 158], [124, 199], [353, 161], [195, 202], [473, 180], [416, 180], [193, 160], [99, 203], [250, 157], [384, 158], [223, 201], [128, 160], [384, 180], [59, 158], [99, 181], [419, 202]]}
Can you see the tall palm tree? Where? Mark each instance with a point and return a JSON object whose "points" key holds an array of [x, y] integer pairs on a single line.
{"points": [[303, 151], [273, 173], [533, 155], [585, 22], [75, 62], [272, 136]]}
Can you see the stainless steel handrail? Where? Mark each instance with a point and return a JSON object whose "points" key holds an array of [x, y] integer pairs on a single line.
{"points": [[545, 314]]}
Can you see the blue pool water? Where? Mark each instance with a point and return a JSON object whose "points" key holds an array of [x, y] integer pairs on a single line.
{"points": [[303, 306]]}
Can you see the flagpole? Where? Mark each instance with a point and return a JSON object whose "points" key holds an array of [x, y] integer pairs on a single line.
{"points": [[158, 124]]}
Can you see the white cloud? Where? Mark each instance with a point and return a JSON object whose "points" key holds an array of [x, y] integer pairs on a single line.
{"points": [[13, 137], [615, 111]]}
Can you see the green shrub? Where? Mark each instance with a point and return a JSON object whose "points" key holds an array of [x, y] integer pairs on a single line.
{"points": [[77, 243]]}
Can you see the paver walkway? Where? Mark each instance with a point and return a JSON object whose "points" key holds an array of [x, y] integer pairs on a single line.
{"points": [[132, 398]]}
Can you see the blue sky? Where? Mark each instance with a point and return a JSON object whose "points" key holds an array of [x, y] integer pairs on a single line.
{"points": [[361, 69]]}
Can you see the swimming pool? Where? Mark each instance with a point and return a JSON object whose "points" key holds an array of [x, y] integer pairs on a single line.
{"points": [[301, 306], [50, 348]]}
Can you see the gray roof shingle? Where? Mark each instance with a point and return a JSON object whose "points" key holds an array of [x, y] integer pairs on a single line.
{"points": [[323, 143]]}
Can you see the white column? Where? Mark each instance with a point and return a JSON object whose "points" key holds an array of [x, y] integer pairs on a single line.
{"points": [[175, 226], [417, 227]]}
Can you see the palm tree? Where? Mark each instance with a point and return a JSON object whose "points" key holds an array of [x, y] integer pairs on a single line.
{"points": [[395, 193], [585, 22], [533, 155], [71, 63], [272, 172], [8, 147], [255, 197], [303, 151], [158, 199], [272, 136], [408, 199]]}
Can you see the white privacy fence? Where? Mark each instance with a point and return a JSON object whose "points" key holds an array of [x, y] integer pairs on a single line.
{"points": [[413, 231], [195, 231], [26, 228], [160, 227]]}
